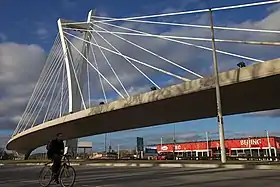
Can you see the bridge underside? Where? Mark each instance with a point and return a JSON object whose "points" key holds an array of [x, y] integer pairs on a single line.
{"points": [[242, 97]]}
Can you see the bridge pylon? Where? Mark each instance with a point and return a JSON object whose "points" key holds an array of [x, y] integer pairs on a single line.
{"points": [[74, 96]]}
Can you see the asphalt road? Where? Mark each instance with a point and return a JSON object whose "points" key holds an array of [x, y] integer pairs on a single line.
{"points": [[20, 176]]}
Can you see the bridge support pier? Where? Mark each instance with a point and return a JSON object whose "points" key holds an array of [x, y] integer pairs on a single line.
{"points": [[75, 98], [26, 156]]}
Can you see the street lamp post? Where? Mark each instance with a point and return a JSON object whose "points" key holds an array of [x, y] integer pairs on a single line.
{"points": [[174, 142], [105, 143], [249, 142], [207, 142], [268, 142], [218, 96], [118, 151]]}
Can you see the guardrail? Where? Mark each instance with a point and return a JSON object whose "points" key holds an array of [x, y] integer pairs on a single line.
{"points": [[240, 160]]}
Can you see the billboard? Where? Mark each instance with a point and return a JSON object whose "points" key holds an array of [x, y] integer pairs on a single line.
{"points": [[140, 144], [150, 151], [84, 144], [230, 144]]}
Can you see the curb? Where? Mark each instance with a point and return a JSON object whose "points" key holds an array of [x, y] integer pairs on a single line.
{"points": [[234, 166], [202, 165], [229, 166], [164, 165], [263, 167]]}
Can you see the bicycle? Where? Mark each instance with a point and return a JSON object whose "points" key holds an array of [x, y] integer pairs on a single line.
{"points": [[63, 170]]}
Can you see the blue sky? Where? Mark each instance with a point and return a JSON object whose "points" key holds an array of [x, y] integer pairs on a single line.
{"points": [[28, 17], [34, 22]]}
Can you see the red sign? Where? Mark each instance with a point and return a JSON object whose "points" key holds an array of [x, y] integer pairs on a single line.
{"points": [[237, 143]]}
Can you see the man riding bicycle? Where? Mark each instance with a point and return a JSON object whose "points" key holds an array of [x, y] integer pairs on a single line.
{"points": [[55, 151]]}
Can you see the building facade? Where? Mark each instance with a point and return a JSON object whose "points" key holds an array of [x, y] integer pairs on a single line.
{"points": [[255, 147]]}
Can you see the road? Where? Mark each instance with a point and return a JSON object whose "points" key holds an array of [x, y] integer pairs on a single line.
{"points": [[26, 176]]}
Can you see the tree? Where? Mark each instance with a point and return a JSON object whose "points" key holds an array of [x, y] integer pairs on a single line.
{"points": [[3, 154]]}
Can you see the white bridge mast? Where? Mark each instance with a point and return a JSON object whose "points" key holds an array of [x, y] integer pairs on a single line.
{"points": [[73, 91]]}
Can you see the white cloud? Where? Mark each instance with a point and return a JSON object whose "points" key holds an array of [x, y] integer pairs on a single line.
{"points": [[200, 61], [42, 33], [20, 65], [3, 140], [3, 37], [270, 113], [136, 90]]}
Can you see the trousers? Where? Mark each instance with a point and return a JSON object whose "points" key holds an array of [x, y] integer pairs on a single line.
{"points": [[56, 164]]}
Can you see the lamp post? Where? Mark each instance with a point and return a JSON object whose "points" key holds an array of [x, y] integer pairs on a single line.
{"points": [[207, 143], [105, 143], [241, 64], [249, 142], [118, 151], [268, 142], [218, 96], [174, 142]]}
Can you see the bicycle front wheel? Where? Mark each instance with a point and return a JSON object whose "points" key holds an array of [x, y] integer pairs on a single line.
{"points": [[67, 176], [45, 176]]}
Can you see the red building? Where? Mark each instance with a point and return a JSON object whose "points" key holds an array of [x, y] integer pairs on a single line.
{"points": [[257, 146]]}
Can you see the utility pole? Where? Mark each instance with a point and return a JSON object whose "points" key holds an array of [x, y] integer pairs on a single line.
{"points": [[249, 142], [105, 143], [174, 142], [207, 142], [268, 142], [218, 96], [118, 151]]}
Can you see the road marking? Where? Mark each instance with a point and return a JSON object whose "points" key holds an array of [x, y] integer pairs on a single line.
{"points": [[171, 165], [267, 167], [120, 164], [202, 165], [146, 165], [234, 166]]}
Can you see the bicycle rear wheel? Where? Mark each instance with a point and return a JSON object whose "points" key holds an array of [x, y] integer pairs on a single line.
{"points": [[45, 176], [67, 176]]}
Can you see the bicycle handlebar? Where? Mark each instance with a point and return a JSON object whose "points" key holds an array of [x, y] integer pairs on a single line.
{"points": [[66, 157]]}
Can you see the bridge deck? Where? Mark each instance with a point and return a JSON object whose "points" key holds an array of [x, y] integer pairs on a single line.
{"points": [[250, 89]]}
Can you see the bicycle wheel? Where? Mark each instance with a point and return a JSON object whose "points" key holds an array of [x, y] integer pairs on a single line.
{"points": [[67, 176], [45, 176]]}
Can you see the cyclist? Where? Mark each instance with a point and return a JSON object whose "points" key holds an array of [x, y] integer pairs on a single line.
{"points": [[55, 151]]}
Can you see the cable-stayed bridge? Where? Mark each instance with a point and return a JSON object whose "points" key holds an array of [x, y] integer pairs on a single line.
{"points": [[66, 97]]}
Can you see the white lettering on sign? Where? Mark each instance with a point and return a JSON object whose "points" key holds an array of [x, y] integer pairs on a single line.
{"points": [[164, 148], [250, 142], [178, 147]]}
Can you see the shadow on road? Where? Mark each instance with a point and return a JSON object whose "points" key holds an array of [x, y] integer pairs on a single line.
{"points": [[160, 175]]}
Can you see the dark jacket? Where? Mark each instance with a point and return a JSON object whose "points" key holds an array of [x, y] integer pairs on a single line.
{"points": [[55, 147]]}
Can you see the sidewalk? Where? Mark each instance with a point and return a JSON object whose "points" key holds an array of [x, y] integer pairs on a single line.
{"points": [[177, 165], [164, 165]]}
